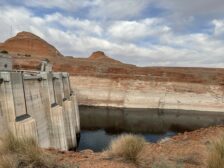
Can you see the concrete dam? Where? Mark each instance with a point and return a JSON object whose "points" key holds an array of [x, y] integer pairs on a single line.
{"points": [[38, 104]]}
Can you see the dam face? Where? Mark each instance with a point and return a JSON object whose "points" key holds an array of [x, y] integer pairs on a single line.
{"points": [[40, 105]]}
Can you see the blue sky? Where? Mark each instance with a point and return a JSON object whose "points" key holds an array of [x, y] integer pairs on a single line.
{"points": [[142, 32]]}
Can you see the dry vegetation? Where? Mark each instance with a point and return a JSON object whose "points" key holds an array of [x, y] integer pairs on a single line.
{"points": [[24, 153], [216, 156], [126, 146]]}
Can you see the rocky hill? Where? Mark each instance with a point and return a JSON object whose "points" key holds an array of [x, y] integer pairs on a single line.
{"points": [[100, 56], [28, 44]]}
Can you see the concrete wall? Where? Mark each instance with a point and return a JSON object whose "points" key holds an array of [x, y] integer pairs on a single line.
{"points": [[63, 95], [39, 105], [5, 62]]}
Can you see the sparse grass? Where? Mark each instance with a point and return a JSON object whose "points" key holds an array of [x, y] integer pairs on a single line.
{"points": [[126, 146], [216, 155], [24, 153], [191, 158], [161, 164], [166, 164]]}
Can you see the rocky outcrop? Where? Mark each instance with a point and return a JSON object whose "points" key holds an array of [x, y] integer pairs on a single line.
{"points": [[29, 45], [100, 56]]}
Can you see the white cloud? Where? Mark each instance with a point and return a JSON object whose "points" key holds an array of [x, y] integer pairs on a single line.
{"points": [[111, 9], [71, 23], [218, 27], [69, 5], [122, 40], [117, 9], [192, 7], [135, 30], [97, 8]]}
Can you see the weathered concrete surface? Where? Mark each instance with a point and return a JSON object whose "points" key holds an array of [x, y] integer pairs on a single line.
{"points": [[59, 137], [76, 112], [63, 95], [130, 93], [39, 105], [58, 88], [70, 123], [5, 62], [26, 128], [8, 106], [35, 108]]}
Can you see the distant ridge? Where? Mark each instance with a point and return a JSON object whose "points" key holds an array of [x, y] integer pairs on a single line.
{"points": [[101, 57]]}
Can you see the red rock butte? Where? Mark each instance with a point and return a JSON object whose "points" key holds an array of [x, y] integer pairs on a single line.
{"points": [[101, 57], [25, 43]]}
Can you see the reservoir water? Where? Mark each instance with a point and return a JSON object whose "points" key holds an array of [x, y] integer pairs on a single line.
{"points": [[101, 124], [99, 140]]}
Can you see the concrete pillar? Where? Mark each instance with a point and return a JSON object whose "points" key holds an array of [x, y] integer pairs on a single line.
{"points": [[26, 128], [8, 108], [35, 104], [75, 108], [68, 107], [59, 139], [70, 124], [18, 93], [66, 85], [58, 88], [62, 93], [5, 106], [54, 113], [13, 109]]}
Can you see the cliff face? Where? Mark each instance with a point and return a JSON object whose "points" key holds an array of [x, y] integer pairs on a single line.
{"points": [[135, 93], [102, 81]]}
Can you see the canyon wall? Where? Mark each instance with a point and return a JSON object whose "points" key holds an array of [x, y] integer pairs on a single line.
{"points": [[136, 93]]}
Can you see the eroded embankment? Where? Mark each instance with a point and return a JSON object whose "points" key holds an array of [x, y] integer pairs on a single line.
{"points": [[152, 94]]}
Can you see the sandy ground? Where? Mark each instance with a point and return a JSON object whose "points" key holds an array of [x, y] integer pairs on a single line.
{"points": [[187, 150]]}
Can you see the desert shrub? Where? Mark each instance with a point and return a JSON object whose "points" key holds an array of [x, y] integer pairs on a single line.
{"points": [[126, 146], [161, 164], [4, 52], [216, 155], [24, 153], [27, 55]]}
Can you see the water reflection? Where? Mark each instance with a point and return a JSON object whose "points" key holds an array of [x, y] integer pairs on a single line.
{"points": [[99, 140], [100, 124], [146, 120]]}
